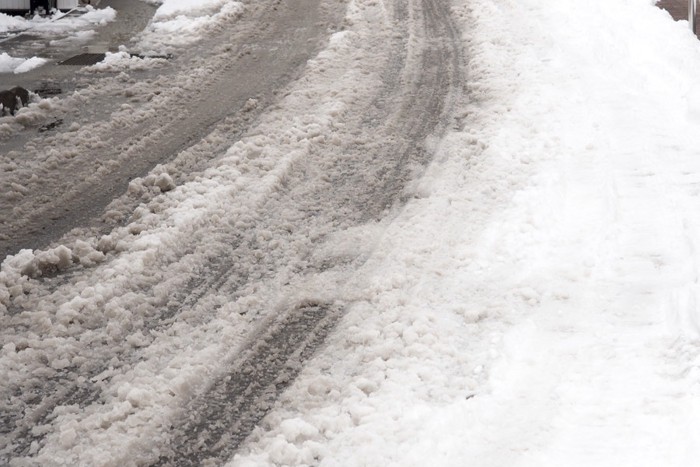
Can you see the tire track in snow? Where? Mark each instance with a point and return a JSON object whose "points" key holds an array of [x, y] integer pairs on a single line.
{"points": [[235, 405], [254, 56], [365, 185], [367, 182], [285, 36]]}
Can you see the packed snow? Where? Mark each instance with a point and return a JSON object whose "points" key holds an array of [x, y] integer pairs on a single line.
{"points": [[535, 302]]}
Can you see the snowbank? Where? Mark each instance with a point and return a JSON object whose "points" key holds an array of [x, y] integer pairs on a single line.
{"points": [[57, 22], [539, 304], [177, 23], [171, 8]]}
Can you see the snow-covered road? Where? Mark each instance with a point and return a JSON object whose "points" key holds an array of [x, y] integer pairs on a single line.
{"points": [[224, 252], [130, 122], [362, 232]]}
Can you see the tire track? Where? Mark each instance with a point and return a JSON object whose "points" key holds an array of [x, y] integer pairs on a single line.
{"points": [[31, 401], [256, 380], [285, 35], [366, 184]]}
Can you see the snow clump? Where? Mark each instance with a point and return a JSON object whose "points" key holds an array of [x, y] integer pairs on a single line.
{"points": [[17, 65], [178, 23]]}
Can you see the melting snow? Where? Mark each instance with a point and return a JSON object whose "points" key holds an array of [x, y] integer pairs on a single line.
{"points": [[536, 303]]}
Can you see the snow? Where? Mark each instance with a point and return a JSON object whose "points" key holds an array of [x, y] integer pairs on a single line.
{"points": [[29, 64], [538, 305], [173, 8], [57, 23], [121, 61], [175, 24], [178, 23], [535, 303], [11, 23], [10, 64], [96, 305]]}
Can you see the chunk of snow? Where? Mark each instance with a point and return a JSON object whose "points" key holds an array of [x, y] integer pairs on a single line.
{"points": [[10, 64], [29, 64], [164, 182]]}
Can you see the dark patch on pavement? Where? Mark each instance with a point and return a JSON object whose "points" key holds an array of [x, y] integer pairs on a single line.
{"points": [[83, 59]]}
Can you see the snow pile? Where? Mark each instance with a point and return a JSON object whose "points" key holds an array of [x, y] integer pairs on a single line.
{"points": [[121, 61], [177, 23], [75, 38], [94, 16], [58, 21], [539, 304], [170, 9], [10, 23], [29, 64], [36, 113], [26, 263], [10, 64]]}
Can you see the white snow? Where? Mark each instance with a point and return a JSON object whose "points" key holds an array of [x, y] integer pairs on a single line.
{"points": [[120, 61], [11, 23], [177, 23], [10, 64], [538, 306], [536, 302], [173, 8], [29, 64], [57, 22]]}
